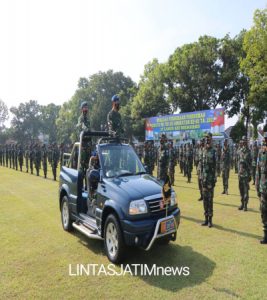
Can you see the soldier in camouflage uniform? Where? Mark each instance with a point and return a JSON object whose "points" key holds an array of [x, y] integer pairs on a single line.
{"points": [[184, 160], [218, 159], [148, 158], [62, 149], [27, 155], [172, 160], [181, 154], [20, 156], [49, 153], [86, 148], [163, 158], [54, 160], [10, 155], [208, 179], [225, 166], [114, 118], [199, 167], [13, 155], [31, 157], [16, 157], [244, 173], [189, 162], [37, 158], [7, 155], [236, 158], [44, 160], [261, 184], [254, 157]]}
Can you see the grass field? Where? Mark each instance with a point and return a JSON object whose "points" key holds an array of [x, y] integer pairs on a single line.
{"points": [[226, 261]]}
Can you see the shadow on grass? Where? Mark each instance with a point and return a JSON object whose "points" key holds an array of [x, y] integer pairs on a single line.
{"points": [[172, 255], [175, 256], [219, 227], [186, 187], [232, 205]]}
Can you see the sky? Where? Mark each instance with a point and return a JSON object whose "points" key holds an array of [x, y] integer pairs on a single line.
{"points": [[47, 45]]}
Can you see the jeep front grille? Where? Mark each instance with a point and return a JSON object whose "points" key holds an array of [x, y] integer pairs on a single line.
{"points": [[154, 205]]}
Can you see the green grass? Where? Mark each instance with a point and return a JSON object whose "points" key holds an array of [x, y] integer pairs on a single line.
{"points": [[226, 261]]}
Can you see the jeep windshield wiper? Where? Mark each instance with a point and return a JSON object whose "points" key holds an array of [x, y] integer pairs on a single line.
{"points": [[125, 174]]}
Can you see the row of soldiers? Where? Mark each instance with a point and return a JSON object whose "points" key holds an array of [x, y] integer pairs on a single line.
{"points": [[33, 155]]}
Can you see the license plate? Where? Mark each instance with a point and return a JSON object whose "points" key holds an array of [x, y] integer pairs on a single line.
{"points": [[166, 226]]}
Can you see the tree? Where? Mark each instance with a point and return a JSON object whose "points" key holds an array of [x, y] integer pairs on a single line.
{"points": [[254, 63], [238, 131], [193, 71], [3, 113], [151, 98], [97, 91], [49, 114], [26, 121]]}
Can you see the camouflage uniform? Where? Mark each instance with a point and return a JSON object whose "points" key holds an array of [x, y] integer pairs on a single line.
{"points": [[44, 160], [84, 125], [16, 156], [199, 168], [181, 154], [172, 160], [208, 181], [27, 155], [20, 157], [184, 160], [261, 185], [189, 162], [31, 156], [163, 160], [37, 159], [13, 155], [148, 158], [244, 175], [54, 160], [10, 155], [254, 154], [225, 161], [7, 155], [115, 123], [218, 160]]}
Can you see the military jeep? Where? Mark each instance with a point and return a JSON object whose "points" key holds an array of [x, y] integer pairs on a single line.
{"points": [[128, 207]]}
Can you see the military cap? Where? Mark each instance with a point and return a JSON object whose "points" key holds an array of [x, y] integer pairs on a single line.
{"points": [[84, 104], [115, 98]]}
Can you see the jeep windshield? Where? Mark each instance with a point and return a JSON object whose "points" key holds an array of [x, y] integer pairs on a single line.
{"points": [[120, 160]]}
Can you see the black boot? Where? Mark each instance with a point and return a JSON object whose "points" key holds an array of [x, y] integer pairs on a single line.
{"points": [[210, 222], [241, 206], [205, 223], [226, 191], [264, 240], [201, 198], [223, 191], [245, 207]]}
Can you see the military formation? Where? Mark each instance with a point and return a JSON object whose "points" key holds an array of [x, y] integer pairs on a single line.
{"points": [[210, 159], [31, 158]]}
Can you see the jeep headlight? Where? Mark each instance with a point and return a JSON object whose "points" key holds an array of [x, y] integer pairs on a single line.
{"points": [[173, 199], [137, 207]]}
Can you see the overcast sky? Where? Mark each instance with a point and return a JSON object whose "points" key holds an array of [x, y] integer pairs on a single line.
{"points": [[47, 45]]}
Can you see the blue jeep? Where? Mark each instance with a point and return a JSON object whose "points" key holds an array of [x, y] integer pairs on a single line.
{"points": [[127, 208]]}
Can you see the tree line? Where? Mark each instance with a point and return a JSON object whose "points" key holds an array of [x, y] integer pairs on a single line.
{"points": [[211, 72]]}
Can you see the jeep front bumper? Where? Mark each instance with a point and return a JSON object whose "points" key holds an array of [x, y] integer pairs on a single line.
{"points": [[143, 233]]}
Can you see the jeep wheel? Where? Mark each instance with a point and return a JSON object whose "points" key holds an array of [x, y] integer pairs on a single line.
{"points": [[65, 215], [114, 244]]}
